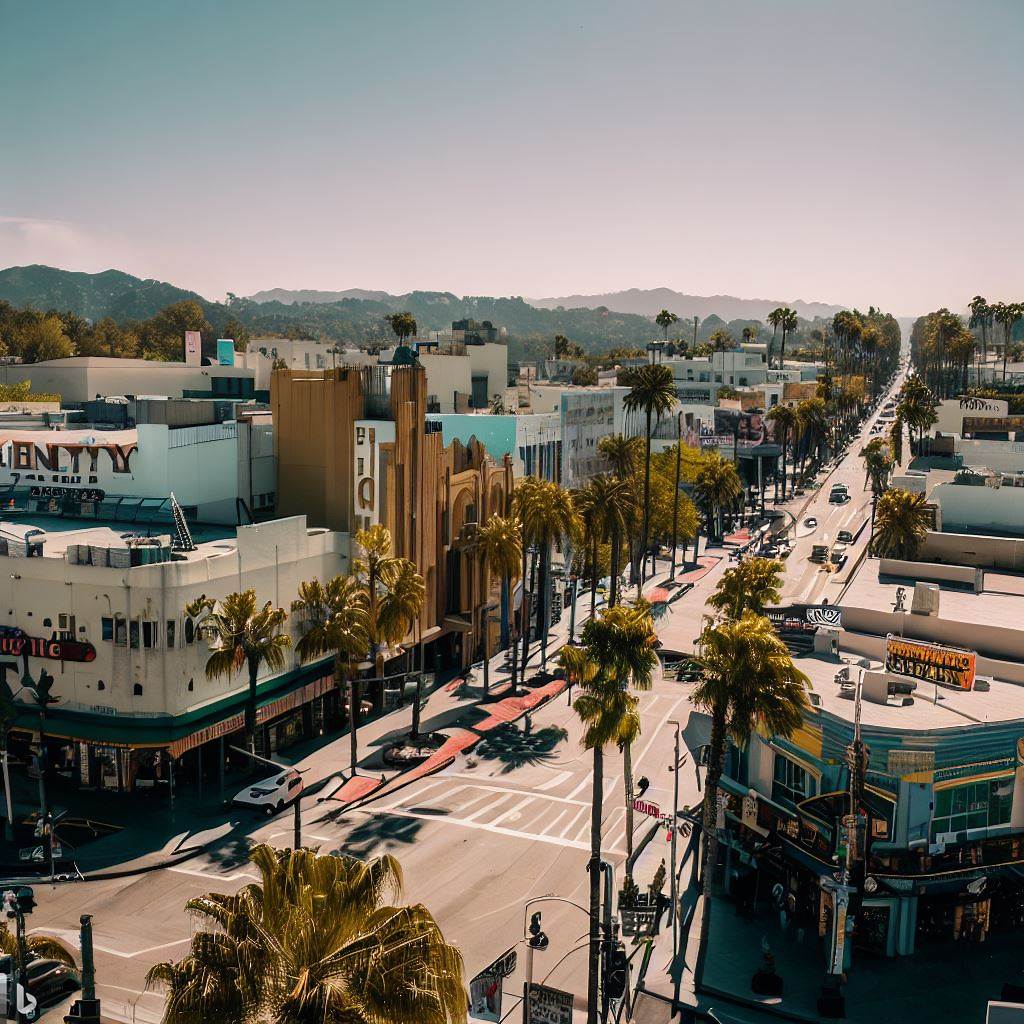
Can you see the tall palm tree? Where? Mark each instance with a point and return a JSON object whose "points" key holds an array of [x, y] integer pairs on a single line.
{"points": [[622, 453], [747, 678], [499, 546], [241, 635], [813, 428], [775, 318], [399, 608], [902, 521], [716, 486], [981, 319], [609, 713], [878, 464], [318, 940], [374, 568], [665, 320], [784, 418], [653, 391], [789, 325], [752, 585], [1006, 315], [335, 621], [546, 518], [605, 508]]}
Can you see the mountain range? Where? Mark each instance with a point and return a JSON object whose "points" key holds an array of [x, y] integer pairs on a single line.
{"points": [[650, 302]]}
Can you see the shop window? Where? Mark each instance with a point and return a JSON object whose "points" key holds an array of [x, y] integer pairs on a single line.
{"points": [[171, 624], [133, 633], [790, 783], [107, 625], [976, 805]]}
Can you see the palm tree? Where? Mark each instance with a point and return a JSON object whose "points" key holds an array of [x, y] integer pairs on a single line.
{"points": [[499, 547], [902, 521], [813, 427], [547, 518], [789, 325], [665, 320], [1006, 315], [336, 622], [716, 486], [784, 417], [403, 325], [878, 464], [399, 608], [981, 319], [652, 390], [622, 453], [609, 713], [605, 507], [318, 939], [721, 340], [752, 585], [775, 318], [240, 634], [747, 678], [43, 947]]}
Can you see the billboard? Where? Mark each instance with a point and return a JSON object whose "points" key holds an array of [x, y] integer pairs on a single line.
{"points": [[804, 618], [993, 424], [933, 663], [225, 352], [744, 429], [549, 1006], [193, 348]]}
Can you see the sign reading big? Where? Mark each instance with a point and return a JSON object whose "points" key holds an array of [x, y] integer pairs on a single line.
{"points": [[948, 666]]}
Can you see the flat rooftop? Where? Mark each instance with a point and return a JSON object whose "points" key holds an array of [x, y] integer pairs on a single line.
{"points": [[956, 709]]}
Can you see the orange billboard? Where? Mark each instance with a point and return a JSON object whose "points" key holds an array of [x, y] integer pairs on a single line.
{"points": [[948, 666]]}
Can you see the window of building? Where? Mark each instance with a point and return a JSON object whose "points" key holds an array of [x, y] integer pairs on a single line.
{"points": [[171, 624], [133, 633], [149, 634], [121, 632], [790, 783], [976, 805], [190, 631], [107, 625]]}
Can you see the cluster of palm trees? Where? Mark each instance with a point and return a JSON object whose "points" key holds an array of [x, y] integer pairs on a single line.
{"points": [[804, 428], [864, 345], [986, 316], [902, 521], [355, 618], [785, 319], [915, 408]]}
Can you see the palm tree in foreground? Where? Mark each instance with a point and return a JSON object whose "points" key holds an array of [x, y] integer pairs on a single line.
{"points": [[653, 392], [316, 941], [747, 678], [241, 635], [44, 947], [336, 622], [609, 714], [500, 548], [902, 521]]}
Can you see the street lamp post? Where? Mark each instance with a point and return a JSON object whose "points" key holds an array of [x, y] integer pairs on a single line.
{"points": [[674, 885]]}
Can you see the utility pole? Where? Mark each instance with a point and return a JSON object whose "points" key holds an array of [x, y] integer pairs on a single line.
{"points": [[674, 885], [86, 1010]]}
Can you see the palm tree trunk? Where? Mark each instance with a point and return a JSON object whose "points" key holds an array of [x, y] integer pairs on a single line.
{"points": [[524, 619], [250, 709], [353, 721], [544, 607], [613, 593], [715, 758], [647, 504], [627, 785], [594, 867], [593, 578]]}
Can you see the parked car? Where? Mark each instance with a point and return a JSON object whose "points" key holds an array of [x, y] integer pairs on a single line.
{"points": [[839, 494], [819, 553], [810, 522], [273, 794], [49, 981], [844, 537]]}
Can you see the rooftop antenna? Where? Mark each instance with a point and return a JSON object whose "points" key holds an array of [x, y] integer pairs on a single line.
{"points": [[183, 538]]}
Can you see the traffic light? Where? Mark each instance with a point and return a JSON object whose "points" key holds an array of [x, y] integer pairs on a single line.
{"points": [[642, 785], [618, 973], [26, 899], [538, 940]]}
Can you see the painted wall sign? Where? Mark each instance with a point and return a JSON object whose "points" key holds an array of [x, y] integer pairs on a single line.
{"points": [[193, 348], [993, 424], [82, 493], [933, 663], [798, 618], [15, 643]]}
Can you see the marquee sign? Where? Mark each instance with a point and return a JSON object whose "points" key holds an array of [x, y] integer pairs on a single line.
{"points": [[949, 666], [992, 424], [804, 618], [15, 643]]}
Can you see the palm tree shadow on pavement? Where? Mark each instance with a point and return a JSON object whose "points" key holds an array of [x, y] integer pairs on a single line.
{"points": [[510, 746], [381, 833]]}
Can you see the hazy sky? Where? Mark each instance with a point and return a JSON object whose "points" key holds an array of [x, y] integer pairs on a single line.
{"points": [[866, 152]]}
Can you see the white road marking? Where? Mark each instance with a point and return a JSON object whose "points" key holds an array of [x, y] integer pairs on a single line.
{"points": [[512, 814], [551, 827], [197, 873], [488, 807], [671, 711], [583, 785], [504, 791], [556, 781], [73, 938], [498, 830], [572, 821]]}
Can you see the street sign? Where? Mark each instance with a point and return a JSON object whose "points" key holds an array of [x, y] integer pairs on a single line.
{"points": [[638, 916], [504, 966], [485, 997], [646, 807], [549, 1006]]}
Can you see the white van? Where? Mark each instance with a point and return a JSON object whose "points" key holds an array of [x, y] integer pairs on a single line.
{"points": [[273, 794]]}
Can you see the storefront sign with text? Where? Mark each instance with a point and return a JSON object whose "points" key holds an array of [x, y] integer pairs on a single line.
{"points": [[15, 643]]}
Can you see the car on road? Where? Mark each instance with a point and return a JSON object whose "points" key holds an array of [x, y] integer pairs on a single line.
{"points": [[844, 537], [273, 794], [819, 553], [810, 522], [49, 981], [839, 494]]}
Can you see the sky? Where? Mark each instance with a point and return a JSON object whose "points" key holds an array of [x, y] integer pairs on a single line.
{"points": [[857, 153]]}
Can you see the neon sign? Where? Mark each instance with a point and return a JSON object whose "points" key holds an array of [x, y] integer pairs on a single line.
{"points": [[16, 643]]}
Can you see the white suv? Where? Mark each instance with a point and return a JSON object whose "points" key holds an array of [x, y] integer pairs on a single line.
{"points": [[273, 794]]}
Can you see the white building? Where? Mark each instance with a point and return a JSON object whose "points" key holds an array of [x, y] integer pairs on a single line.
{"points": [[587, 415], [533, 440], [129, 671]]}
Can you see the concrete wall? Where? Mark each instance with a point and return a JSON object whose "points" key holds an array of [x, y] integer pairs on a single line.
{"points": [[999, 456], [964, 575], [447, 375], [490, 358], [980, 509], [968, 549]]}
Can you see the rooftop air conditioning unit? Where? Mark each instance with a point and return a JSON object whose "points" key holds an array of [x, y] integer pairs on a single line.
{"points": [[926, 599]]}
